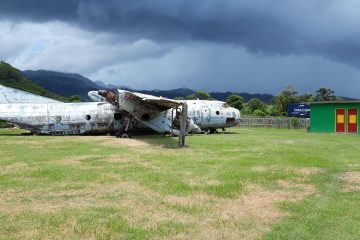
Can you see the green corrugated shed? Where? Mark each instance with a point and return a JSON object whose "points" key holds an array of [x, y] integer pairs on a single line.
{"points": [[330, 117]]}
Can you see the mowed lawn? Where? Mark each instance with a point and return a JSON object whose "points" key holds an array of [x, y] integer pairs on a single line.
{"points": [[247, 184]]}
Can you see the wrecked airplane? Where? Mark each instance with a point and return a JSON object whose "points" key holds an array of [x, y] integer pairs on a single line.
{"points": [[205, 115], [118, 112]]}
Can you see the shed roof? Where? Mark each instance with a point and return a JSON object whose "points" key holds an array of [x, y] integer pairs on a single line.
{"points": [[335, 102]]}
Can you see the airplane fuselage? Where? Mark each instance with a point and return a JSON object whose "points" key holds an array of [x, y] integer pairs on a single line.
{"points": [[63, 118], [46, 116], [103, 118]]}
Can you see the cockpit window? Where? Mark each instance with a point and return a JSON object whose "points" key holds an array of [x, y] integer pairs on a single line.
{"points": [[225, 105]]}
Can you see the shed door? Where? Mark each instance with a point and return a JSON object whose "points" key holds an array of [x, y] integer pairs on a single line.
{"points": [[352, 121], [340, 120]]}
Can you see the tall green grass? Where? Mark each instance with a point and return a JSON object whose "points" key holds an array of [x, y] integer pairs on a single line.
{"points": [[48, 171]]}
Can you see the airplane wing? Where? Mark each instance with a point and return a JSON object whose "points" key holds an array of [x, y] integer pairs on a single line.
{"points": [[159, 102], [154, 112]]}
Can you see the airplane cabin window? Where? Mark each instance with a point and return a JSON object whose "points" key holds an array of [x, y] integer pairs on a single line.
{"points": [[225, 105]]}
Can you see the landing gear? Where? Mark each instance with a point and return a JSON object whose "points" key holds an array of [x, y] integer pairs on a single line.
{"points": [[131, 122], [212, 131], [123, 134]]}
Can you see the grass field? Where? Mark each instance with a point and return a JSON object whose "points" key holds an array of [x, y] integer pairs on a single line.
{"points": [[248, 184]]}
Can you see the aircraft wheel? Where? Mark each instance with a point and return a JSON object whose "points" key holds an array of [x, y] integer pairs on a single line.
{"points": [[119, 134], [212, 131], [125, 135]]}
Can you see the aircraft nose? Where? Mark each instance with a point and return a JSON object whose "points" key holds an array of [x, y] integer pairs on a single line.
{"points": [[92, 95], [236, 114]]}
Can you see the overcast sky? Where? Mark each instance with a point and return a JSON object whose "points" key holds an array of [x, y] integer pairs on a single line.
{"points": [[213, 45]]}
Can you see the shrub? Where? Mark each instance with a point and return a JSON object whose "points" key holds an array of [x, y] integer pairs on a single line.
{"points": [[259, 113], [295, 122]]}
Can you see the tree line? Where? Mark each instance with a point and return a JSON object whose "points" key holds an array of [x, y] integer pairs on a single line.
{"points": [[255, 107]]}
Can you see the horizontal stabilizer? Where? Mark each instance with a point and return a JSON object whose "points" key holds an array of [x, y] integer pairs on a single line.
{"points": [[11, 95]]}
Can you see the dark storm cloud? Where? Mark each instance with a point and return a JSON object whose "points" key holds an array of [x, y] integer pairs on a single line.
{"points": [[269, 27], [198, 20], [38, 10]]}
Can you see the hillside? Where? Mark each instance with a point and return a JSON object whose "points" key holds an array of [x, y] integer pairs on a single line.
{"points": [[65, 84], [264, 97], [179, 92], [173, 93], [69, 84], [12, 77], [183, 92]]}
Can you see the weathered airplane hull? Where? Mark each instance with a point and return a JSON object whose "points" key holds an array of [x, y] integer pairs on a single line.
{"points": [[42, 115], [208, 114], [63, 118]]}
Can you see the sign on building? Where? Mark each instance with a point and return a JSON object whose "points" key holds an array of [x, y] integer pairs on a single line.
{"points": [[299, 110]]}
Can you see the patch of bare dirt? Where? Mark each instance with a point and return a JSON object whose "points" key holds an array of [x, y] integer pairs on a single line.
{"points": [[23, 142], [289, 141], [131, 160], [140, 204], [49, 200], [354, 165], [15, 168], [140, 146], [197, 200], [302, 190], [120, 159], [352, 181], [74, 160], [113, 141], [306, 171], [203, 181], [38, 142], [247, 216], [309, 170]]}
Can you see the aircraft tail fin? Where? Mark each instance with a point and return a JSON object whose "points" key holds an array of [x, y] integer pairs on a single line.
{"points": [[11, 95]]}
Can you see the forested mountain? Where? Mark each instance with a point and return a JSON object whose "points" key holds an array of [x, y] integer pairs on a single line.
{"points": [[12, 77], [68, 84], [60, 86], [184, 92], [56, 84], [65, 84]]}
